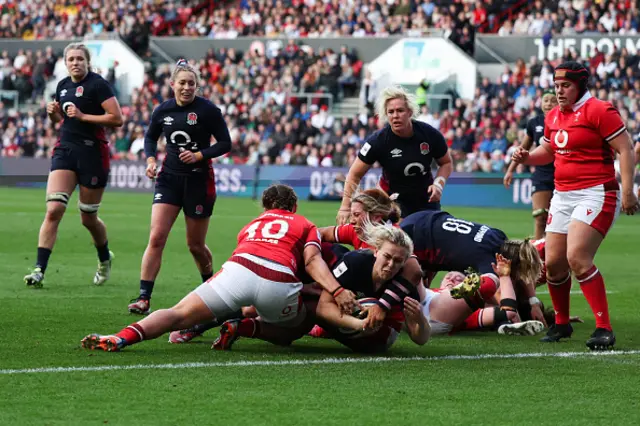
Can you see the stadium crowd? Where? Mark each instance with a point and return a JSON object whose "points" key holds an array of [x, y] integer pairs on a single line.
{"points": [[268, 126]]}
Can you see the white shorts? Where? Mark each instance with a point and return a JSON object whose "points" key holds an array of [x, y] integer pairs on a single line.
{"points": [[596, 206], [437, 327], [247, 280]]}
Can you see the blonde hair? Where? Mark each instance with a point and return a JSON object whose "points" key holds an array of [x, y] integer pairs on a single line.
{"points": [[525, 260], [376, 235], [78, 46], [183, 65], [395, 92], [376, 201]]}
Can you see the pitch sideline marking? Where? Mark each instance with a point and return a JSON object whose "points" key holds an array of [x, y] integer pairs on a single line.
{"points": [[347, 360]]}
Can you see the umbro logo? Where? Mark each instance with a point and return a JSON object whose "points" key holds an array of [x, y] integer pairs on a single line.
{"points": [[63, 93], [539, 129], [157, 196], [396, 152], [168, 121]]}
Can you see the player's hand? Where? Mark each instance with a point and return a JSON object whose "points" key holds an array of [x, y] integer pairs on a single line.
{"points": [[412, 310], [375, 317], [152, 170], [502, 267], [520, 155], [435, 193], [537, 314], [72, 111], [629, 202], [343, 216], [508, 178], [53, 108], [346, 301], [188, 157]]}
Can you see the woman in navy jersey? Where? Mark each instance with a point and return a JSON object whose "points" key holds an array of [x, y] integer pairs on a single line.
{"points": [[542, 179], [405, 148], [86, 104], [186, 179]]}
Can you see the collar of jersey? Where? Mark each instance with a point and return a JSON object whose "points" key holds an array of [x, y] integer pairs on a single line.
{"points": [[582, 101]]}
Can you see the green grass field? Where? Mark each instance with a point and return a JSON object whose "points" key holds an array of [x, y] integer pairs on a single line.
{"points": [[473, 378]]}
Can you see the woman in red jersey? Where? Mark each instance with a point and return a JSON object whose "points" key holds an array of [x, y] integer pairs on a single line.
{"points": [[581, 136]]}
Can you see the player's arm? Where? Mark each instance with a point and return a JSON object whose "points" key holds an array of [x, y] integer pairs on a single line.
{"points": [[319, 271], [328, 234], [112, 116], [637, 152], [356, 172], [442, 155], [328, 310], [53, 108], [624, 146], [540, 156], [220, 132], [416, 323], [526, 144]]}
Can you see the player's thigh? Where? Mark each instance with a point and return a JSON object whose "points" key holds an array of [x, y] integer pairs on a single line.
{"points": [[193, 308], [541, 199], [280, 303], [598, 208], [231, 288], [197, 229], [93, 166], [88, 195], [163, 216], [169, 190], [560, 211], [583, 242], [199, 196], [555, 254], [61, 181]]}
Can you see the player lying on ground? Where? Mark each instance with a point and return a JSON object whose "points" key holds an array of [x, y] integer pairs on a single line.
{"points": [[259, 273], [374, 274]]}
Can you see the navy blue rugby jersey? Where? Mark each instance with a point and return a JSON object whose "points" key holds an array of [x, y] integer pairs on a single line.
{"points": [[535, 130], [87, 95], [188, 127], [406, 162]]}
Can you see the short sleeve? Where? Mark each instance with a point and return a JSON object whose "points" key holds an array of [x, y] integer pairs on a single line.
{"points": [[607, 121], [104, 90], [547, 125], [345, 274], [531, 129], [368, 153], [345, 234], [57, 94], [312, 236], [438, 145]]}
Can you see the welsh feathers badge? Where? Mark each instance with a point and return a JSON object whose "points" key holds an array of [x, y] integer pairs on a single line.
{"points": [[192, 118], [424, 148]]}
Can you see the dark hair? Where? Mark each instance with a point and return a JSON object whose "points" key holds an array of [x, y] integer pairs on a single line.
{"points": [[279, 196]]}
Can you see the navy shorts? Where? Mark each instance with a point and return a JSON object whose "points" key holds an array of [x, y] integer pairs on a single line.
{"points": [[195, 193], [409, 206], [90, 163], [541, 183]]}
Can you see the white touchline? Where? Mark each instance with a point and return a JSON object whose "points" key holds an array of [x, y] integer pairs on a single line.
{"points": [[347, 360]]}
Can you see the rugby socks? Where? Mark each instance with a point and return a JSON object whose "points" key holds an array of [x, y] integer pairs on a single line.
{"points": [[146, 288], [248, 327], [560, 293], [473, 321], [43, 258], [205, 277], [487, 289], [131, 334], [103, 252], [592, 286]]}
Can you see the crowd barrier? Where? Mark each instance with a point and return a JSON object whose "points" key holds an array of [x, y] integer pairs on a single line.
{"points": [[463, 189]]}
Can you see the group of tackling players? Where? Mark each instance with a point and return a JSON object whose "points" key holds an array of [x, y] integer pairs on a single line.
{"points": [[288, 278]]}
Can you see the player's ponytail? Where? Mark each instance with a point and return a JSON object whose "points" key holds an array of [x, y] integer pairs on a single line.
{"points": [[376, 201], [525, 261]]}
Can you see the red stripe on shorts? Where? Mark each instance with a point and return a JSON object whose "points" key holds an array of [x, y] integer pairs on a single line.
{"points": [[264, 272], [602, 223]]}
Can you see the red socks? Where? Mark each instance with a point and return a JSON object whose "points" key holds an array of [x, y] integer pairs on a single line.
{"points": [[592, 286], [560, 295], [131, 334], [248, 327]]}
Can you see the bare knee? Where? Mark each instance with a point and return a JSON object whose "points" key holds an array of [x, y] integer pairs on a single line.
{"points": [[541, 220], [197, 249], [579, 263], [89, 220], [55, 211]]}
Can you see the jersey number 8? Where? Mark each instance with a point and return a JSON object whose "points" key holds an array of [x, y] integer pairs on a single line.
{"points": [[267, 229], [457, 225]]}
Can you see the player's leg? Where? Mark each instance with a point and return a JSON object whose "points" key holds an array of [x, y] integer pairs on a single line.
{"points": [[189, 311], [89, 200], [595, 214], [540, 201], [199, 201], [60, 186], [163, 217]]}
